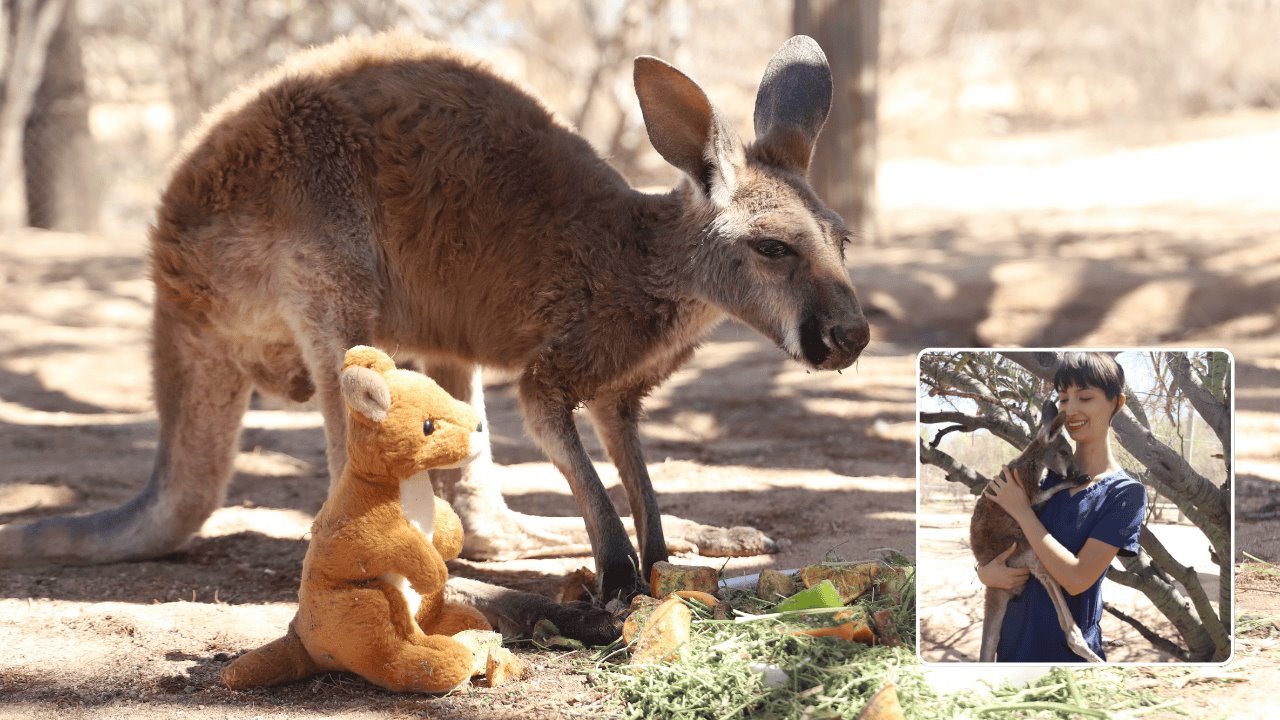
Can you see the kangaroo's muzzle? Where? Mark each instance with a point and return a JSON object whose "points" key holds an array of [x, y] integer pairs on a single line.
{"points": [[833, 345]]}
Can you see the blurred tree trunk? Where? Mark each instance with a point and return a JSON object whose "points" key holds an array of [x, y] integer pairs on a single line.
{"points": [[57, 149], [844, 161], [25, 29]]}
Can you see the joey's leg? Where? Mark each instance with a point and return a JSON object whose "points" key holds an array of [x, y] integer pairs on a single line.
{"points": [[1075, 638], [548, 413], [493, 530], [995, 605]]}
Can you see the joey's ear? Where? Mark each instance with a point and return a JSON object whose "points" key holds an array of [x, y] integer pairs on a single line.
{"points": [[1051, 421], [686, 130], [793, 103], [366, 392]]}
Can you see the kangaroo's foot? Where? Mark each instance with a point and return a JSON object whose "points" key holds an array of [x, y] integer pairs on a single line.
{"points": [[509, 535]]}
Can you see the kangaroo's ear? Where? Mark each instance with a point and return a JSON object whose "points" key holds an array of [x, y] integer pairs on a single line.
{"points": [[793, 103], [686, 130], [1051, 421], [366, 392]]}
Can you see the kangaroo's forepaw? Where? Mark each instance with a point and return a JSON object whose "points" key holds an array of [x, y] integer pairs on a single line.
{"points": [[712, 541]]}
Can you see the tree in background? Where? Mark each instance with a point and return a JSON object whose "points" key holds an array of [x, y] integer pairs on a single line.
{"points": [[26, 27], [1000, 392], [59, 176], [844, 161]]}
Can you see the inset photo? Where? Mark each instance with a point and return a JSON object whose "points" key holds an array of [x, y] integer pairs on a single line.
{"points": [[1075, 506]]}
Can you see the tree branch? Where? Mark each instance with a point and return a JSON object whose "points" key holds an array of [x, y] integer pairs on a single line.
{"points": [[1002, 429], [1160, 642], [1199, 598], [1141, 574], [1215, 412], [955, 470]]}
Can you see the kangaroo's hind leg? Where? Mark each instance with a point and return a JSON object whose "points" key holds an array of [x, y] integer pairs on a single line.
{"points": [[201, 393], [995, 605], [1075, 638], [493, 530]]}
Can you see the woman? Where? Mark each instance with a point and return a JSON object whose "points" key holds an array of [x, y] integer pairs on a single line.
{"points": [[1078, 531]]}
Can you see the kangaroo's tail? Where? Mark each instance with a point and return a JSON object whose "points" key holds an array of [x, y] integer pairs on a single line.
{"points": [[201, 394]]}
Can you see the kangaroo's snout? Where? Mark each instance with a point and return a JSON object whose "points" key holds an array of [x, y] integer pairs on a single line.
{"points": [[828, 345], [851, 338]]}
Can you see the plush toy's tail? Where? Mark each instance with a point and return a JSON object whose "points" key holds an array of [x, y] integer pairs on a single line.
{"points": [[276, 663]]}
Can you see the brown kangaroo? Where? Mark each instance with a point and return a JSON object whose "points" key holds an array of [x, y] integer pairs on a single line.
{"points": [[390, 191], [992, 531]]}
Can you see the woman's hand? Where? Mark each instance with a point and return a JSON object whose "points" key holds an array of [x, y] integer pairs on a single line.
{"points": [[1007, 492], [996, 574]]}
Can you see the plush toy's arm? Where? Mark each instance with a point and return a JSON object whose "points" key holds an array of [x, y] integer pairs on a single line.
{"points": [[416, 559], [447, 535]]}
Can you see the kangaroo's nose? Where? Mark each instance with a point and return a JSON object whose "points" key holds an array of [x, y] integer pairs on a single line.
{"points": [[480, 427], [851, 338]]}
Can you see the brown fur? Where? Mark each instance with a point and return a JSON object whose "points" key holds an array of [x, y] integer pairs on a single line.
{"points": [[370, 557], [992, 531], [391, 191]]}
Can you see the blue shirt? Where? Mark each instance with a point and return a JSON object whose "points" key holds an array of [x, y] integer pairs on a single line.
{"points": [[1111, 510]]}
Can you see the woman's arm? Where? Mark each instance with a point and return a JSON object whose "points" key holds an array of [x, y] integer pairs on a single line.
{"points": [[997, 574], [1074, 573]]}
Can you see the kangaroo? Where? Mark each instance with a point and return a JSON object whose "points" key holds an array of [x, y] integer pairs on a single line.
{"points": [[992, 531], [391, 191]]}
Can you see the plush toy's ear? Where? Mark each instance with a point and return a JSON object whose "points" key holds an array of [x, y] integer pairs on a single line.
{"points": [[366, 392], [369, 357]]}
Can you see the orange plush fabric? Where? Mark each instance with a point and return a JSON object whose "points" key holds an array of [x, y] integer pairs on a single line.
{"points": [[372, 594]]}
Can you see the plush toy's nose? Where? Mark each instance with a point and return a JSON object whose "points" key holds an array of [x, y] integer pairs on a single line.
{"points": [[479, 427]]}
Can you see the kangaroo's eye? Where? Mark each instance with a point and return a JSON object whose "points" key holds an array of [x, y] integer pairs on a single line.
{"points": [[428, 427], [773, 248]]}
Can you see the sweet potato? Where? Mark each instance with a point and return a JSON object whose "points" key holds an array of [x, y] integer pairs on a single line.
{"points": [[664, 634], [883, 705], [503, 667], [886, 631], [850, 580], [774, 585], [666, 578], [642, 606]]}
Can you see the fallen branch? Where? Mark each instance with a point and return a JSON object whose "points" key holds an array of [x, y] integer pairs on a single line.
{"points": [[1158, 641]]}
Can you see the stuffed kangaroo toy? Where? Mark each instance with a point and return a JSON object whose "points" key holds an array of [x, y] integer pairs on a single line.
{"points": [[992, 530], [379, 544]]}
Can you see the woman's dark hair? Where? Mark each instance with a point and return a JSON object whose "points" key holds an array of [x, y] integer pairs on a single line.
{"points": [[1090, 369]]}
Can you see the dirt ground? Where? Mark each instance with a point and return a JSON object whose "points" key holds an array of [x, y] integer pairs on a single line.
{"points": [[741, 436]]}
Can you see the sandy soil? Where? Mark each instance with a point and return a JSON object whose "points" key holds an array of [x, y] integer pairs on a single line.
{"points": [[741, 436]]}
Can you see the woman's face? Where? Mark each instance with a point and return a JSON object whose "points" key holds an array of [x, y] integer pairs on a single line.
{"points": [[1088, 412]]}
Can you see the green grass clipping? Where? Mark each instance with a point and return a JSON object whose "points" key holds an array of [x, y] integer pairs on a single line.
{"points": [[723, 674]]}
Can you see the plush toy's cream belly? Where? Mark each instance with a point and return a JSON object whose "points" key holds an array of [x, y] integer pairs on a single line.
{"points": [[418, 505]]}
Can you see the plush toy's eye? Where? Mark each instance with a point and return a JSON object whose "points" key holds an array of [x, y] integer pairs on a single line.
{"points": [[428, 427]]}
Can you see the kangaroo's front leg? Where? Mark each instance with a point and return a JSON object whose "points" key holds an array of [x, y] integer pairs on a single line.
{"points": [[615, 420], [548, 414]]}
